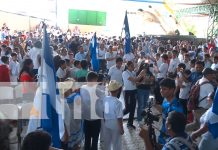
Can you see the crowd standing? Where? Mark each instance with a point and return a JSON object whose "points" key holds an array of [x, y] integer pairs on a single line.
{"points": [[166, 68]]}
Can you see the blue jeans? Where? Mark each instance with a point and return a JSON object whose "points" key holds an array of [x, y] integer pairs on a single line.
{"points": [[142, 96]]}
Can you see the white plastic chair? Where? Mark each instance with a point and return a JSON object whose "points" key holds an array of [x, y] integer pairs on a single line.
{"points": [[6, 93], [10, 111], [18, 91], [25, 110]]}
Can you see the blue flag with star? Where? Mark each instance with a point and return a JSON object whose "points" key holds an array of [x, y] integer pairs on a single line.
{"points": [[127, 35]]}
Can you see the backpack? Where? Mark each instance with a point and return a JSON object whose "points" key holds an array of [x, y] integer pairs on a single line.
{"points": [[193, 99]]}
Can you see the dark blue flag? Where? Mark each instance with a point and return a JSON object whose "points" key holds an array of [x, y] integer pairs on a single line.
{"points": [[93, 47], [127, 35]]}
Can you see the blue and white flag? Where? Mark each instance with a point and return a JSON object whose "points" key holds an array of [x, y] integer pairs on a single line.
{"points": [[213, 121], [46, 113], [93, 47], [127, 35]]}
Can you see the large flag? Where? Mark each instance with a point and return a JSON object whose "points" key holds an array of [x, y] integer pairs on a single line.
{"points": [[213, 120], [46, 113], [127, 35], [93, 47]]}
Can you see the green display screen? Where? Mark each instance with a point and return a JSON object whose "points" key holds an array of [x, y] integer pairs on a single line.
{"points": [[87, 17]]}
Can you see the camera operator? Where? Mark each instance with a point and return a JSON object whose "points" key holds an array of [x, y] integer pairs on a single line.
{"points": [[170, 103], [143, 89], [179, 140]]}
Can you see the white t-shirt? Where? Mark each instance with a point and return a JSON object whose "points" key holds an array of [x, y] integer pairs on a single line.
{"points": [[101, 54], [173, 65], [214, 66], [61, 73], [204, 91], [89, 100], [184, 91], [112, 111], [163, 71], [128, 85], [159, 62], [15, 69], [129, 57], [180, 57], [80, 56], [111, 62], [116, 74], [33, 53]]}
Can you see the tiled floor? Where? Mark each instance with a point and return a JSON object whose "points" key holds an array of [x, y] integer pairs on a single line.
{"points": [[130, 140]]}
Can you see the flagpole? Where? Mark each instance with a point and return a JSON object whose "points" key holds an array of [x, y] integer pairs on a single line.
{"points": [[56, 14]]}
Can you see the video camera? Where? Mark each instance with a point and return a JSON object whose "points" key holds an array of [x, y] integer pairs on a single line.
{"points": [[149, 118], [147, 65]]}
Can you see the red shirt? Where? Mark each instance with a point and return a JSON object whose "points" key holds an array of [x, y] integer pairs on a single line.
{"points": [[27, 82], [25, 77], [4, 73], [210, 45]]}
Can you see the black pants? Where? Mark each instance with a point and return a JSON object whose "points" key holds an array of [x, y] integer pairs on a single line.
{"points": [[130, 104], [102, 65], [184, 105], [92, 130]]}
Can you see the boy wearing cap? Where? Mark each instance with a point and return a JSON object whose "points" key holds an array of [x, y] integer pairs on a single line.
{"points": [[113, 118]]}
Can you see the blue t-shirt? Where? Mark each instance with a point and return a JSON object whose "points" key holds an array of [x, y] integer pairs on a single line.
{"points": [[195, 76], [167, 107]]}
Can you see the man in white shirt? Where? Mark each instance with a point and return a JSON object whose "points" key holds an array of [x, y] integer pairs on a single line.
{"points": [[61, 72], [205, 89], [34, 54], [129, 80], [173, 62], [186, 61], [214, 66], [92, 123], [110, 57], [101, 57], [81, 55], [3, 50], [115, 72], [14, 68], [208, 76], [161, 73], [128, 57]]}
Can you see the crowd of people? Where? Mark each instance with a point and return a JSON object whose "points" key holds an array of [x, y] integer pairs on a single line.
{"points": [[168, 69]]}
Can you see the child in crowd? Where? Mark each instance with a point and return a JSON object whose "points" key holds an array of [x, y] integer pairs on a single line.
{"points": [[76, 67], [113, 118], [61, 72], [185, 87], [14, 67], [214, 66], [207, 61], [207, 141]]}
